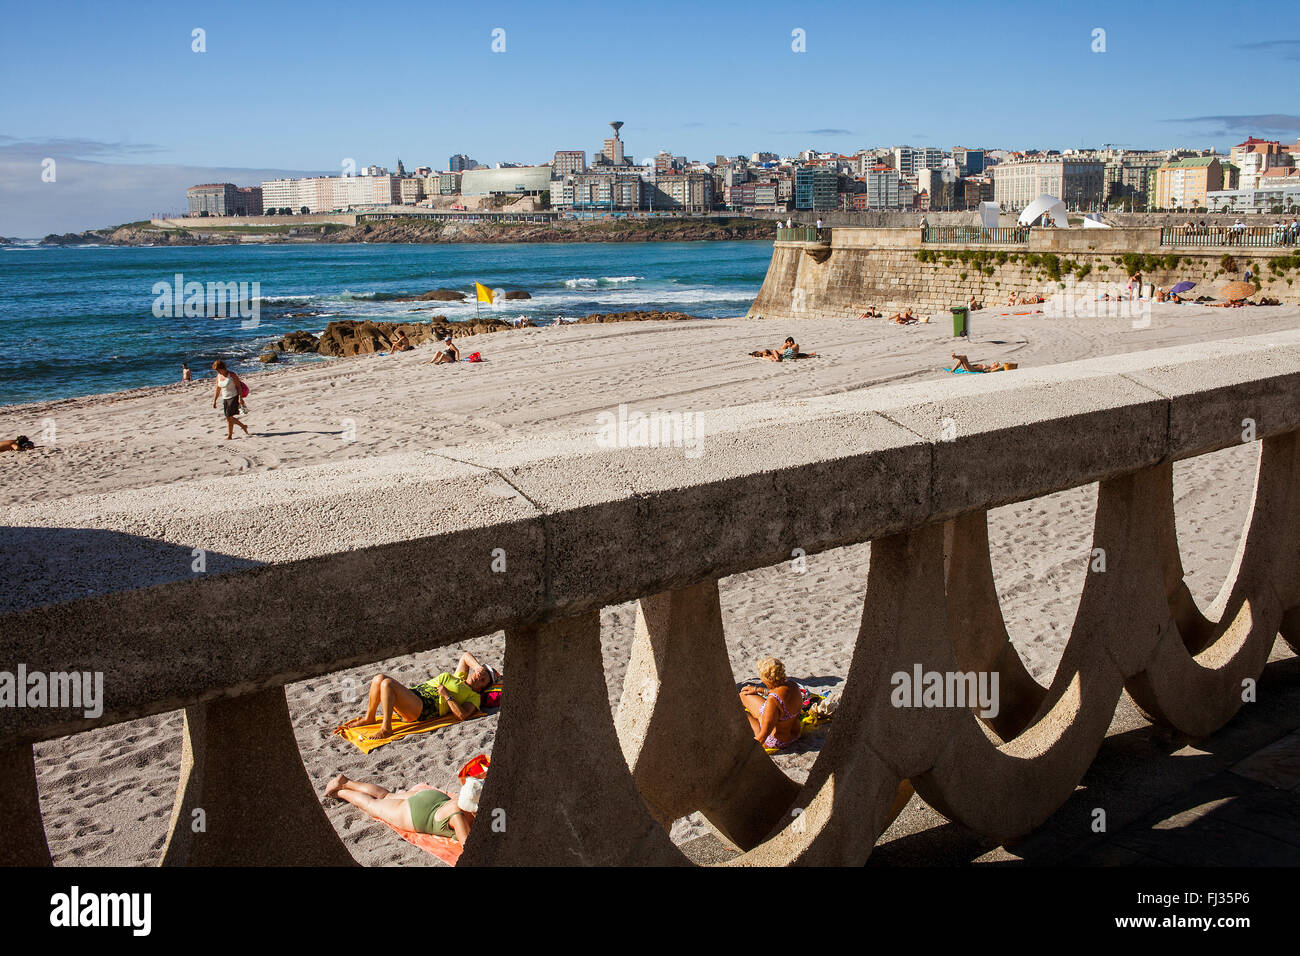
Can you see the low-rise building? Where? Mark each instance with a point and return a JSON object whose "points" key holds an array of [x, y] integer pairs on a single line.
{"points": [[1184, 183], [1281, 196]]}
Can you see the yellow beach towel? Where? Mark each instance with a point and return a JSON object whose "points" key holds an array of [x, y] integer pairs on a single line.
{"points": [[401, 728]]}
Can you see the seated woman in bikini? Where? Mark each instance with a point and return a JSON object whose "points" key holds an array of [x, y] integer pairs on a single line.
{"points": [[906, 317], [457, 695], [424, 811], [774, 711], [449, 354], [401, 343]]}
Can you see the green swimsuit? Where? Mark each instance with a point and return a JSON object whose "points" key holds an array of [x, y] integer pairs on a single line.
{"points": [[423, 806]]}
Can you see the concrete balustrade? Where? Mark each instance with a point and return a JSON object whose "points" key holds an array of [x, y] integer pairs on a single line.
{"points": [[913, 469]]}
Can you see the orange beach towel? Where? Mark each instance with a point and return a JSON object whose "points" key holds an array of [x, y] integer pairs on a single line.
{"points": [[444, 848]]}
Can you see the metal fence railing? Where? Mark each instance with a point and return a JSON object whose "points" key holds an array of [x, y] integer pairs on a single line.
{"points": [[802, 234], [1250, 237], [976, 234]]}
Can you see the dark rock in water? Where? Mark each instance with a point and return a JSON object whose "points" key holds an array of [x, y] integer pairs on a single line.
{"points": [[268, 357], [437, 295], [602, 317], [299, 341], [516, 294], [71, 239]]}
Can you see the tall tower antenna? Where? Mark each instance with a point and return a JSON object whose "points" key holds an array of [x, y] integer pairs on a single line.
{"points": [[617, 124]]}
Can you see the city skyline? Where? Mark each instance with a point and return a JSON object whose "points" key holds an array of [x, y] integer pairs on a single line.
{"points": [[131, 101]]}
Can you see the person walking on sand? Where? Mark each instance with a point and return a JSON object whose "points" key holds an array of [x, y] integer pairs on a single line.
{"points": [[227, 391], [186, 375]]}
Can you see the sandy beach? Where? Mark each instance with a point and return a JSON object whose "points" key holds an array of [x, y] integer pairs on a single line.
{"points": [[107, 794]]}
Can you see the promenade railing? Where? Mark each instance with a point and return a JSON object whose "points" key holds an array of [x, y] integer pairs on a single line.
{"points": [[1000, 235], [1249, 237], [802, 234], [541, 534]]}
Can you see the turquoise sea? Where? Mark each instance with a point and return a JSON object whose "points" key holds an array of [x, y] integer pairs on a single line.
{"points": [[80, 321]]}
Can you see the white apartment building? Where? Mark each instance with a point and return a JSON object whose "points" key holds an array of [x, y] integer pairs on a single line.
{"points": [[328, 193], [1074, 181], [908, 160]]}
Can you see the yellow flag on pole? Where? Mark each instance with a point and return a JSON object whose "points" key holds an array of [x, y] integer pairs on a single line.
{"points": [[484, 294]]}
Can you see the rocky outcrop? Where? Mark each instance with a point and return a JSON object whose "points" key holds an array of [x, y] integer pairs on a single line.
{"points": [[73, 238], [269, 357], [358, 337], [516, 294], [299, 341]]}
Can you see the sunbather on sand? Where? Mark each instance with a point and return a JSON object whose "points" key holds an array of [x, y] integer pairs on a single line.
{"points": [[449, 354], [774, 710], [968, 366], [21, 443], [906, 317], [1237, 304], [457, 694], [400, 343], [872, 313], [424, 811], [788, 351]]}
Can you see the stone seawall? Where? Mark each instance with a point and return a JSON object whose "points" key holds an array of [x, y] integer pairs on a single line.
{"points": [[891, 269]]}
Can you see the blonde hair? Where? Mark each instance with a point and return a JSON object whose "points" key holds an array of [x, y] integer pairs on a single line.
{"points": [[771, 670]]}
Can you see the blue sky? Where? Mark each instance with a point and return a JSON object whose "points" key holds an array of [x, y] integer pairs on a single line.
{"points": [[300, 87]]}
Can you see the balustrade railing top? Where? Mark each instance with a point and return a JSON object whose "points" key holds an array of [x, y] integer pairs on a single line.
{"points": [[585, 526]]}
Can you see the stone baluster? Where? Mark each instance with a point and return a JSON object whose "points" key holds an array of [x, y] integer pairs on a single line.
{"points": [[244, 797], [683, 731], [1197, 685], [559, 791], [22, 833]]}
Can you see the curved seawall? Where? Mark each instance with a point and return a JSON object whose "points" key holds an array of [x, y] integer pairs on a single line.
{"points": [[892, 269]]}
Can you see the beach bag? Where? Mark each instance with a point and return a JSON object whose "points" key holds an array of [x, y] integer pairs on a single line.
{"points": [[243, 389], [477, 767], [474, 357]]}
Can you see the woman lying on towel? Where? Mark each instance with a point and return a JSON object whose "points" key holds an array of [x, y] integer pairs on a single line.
{"points": [[968, 366], [775, 710], [457, 694], [423, 811]]}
